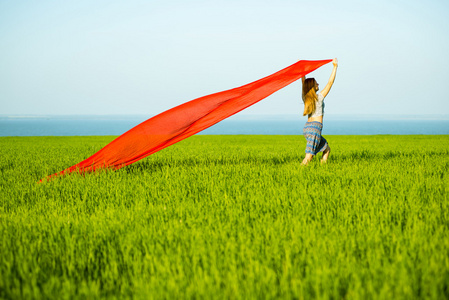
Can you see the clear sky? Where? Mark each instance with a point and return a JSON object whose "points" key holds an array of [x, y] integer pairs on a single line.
{"points": [[143, 57]]}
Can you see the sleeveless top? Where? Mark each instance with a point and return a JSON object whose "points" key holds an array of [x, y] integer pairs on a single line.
{"points": [[319, 108]]}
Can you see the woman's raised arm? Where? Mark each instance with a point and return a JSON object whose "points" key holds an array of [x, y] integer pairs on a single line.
{"points": [[328, 86]]}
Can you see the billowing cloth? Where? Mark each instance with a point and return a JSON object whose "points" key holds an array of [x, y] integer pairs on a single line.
{"points": [[187, 119], [315, 141]]}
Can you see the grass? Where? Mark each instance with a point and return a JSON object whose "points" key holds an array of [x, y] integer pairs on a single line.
{"points": [[227, 217]]}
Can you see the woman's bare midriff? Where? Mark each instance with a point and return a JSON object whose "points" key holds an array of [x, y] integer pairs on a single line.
{"points": [[317, 119]]}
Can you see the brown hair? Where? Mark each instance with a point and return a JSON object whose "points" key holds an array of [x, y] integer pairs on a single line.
{"points": [[309, 96]]}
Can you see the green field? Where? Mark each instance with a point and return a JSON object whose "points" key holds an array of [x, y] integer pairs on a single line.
{"points": [[231, 217]]}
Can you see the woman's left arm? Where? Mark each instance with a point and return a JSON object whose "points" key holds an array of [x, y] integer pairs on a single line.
{"points": [[328, 86]]}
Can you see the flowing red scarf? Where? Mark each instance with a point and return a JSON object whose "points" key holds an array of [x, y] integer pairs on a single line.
{"points": [[187, 119]]}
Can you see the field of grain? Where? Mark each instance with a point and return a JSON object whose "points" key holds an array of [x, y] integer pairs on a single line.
{"points": [[230, 217]]}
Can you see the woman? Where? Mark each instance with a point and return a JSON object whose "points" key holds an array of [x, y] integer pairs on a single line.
{"points": [[314, 108]]}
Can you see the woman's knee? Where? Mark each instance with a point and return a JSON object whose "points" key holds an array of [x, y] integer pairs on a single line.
{"points": [[308, 157]]}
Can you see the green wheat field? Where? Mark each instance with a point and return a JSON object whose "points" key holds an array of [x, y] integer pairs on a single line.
{"points": [[227, 217]]}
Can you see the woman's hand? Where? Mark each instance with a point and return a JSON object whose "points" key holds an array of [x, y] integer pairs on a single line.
{"points": [[335, 62]]}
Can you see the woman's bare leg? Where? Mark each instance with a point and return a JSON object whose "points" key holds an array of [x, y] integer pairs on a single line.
{"points": [[326, 154], [307, 159]]}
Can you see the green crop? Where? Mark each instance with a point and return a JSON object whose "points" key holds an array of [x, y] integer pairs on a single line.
{"points": [[231, 217]]}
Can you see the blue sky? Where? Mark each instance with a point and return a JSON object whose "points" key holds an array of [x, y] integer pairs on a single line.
{"points": [[143, 57]]}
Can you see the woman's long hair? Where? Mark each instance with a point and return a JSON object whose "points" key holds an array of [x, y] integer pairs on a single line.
{"points": [[309, 96]]}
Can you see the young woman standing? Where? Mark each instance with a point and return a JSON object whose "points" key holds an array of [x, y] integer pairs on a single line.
{"points": [[314, 109]]}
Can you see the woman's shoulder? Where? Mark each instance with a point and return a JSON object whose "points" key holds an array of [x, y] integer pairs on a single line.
{"points": [[320, 96]]}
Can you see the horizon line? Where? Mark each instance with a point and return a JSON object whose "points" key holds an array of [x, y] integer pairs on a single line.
{"points": [[237, 117]]}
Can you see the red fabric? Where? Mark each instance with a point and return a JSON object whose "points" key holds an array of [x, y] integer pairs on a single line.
{"points": [[187, 119]]}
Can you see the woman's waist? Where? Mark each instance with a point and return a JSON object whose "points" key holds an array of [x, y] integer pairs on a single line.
{"points": [[315, 119]]}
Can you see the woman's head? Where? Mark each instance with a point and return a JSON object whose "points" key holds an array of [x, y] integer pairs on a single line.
{"points": [[309, 84], [309, 96]]}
